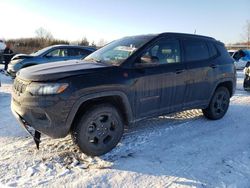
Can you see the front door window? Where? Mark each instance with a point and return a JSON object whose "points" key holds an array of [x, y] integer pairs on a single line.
{"points": [[163, 52]]}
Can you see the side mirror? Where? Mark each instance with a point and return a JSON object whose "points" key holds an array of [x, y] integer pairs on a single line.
{"points": [[48, 56], [147, 61]]}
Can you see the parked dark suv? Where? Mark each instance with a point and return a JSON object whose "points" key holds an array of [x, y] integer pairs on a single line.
{"points": [[127, 80]]}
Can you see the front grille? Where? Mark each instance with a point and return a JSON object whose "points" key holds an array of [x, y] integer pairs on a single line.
{"points": [[20, 86]]}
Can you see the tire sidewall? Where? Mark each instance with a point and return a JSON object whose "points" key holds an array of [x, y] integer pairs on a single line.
{"points": [[211, 108], [81, 137]]}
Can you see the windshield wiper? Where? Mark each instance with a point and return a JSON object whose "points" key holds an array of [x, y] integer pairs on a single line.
{"points": [[93, 60], [97, 61]]}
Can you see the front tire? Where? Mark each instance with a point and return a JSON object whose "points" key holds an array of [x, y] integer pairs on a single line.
{"points": [[99, 130], [218, 105]]}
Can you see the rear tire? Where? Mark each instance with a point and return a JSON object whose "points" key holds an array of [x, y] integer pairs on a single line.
{"points": [[99, 130], [218, 105]]}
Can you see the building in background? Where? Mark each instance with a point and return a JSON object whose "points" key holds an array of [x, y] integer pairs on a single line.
{"points": [[237, 46]]}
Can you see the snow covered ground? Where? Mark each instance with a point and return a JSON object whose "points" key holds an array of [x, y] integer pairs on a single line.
{"points": [[178, 150]]}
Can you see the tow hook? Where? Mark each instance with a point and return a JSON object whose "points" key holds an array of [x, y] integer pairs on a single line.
{"points": [[37, 140]]}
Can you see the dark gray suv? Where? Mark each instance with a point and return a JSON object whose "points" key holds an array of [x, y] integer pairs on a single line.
{"points": [[128, 80]]}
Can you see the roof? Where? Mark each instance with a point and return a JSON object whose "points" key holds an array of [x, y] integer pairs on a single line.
{"points": [[69, 45], [232, 50], [187, 35], [177, 34]]}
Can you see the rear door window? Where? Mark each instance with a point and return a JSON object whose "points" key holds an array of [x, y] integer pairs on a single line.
{"points": [[78, 52], [60, 52], [196, 50]]}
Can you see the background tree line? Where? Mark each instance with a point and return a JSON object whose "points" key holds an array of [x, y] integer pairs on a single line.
{"points": [[43, 39]]}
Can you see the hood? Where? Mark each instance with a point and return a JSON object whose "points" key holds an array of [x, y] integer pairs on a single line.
{"points": [[58, 70], [21, 56]]}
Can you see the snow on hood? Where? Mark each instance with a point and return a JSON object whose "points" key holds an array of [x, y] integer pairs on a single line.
{"points": [[21, 56]]}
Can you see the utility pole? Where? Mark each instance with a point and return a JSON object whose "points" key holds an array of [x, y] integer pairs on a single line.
{"points": [[248, 35]]}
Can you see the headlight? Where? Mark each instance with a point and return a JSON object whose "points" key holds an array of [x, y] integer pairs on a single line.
{"points": [[47, 89], [13, 62]]}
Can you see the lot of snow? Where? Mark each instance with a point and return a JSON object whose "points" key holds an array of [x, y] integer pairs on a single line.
{"points": [[178, 150]]}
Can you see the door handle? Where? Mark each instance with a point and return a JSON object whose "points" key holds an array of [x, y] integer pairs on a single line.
{"points": [[213, 66], [179, 71]]}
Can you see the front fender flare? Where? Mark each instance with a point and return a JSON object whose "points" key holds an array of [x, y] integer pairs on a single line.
{"points": [[87, 97]]}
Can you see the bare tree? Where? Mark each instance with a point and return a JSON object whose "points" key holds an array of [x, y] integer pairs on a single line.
{"points": [[246, 34], [43, 34], [93, 44], [84, 42]]}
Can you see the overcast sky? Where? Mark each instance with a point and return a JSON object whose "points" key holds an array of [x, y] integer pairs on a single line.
{"points": [[111, 19]]}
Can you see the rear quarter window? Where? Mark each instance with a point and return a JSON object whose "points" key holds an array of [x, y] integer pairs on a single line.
{"points": [[195, 50], [212, 49], [222, 49]]}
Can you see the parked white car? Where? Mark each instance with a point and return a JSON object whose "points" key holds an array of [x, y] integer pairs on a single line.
{"points": [[231, 52]]}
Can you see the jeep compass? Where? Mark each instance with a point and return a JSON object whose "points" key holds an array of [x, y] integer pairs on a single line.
{"points": [[128, 80]]}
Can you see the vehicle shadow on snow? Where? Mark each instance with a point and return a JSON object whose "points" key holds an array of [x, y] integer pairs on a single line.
{"points": [[146, 147], [134, 136]]}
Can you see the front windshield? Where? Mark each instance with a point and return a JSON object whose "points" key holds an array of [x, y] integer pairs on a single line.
{"points": [[118, 51], [39, 52]]}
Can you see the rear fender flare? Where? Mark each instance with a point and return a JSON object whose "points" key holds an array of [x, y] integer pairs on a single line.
{"points": [[220, 82]]}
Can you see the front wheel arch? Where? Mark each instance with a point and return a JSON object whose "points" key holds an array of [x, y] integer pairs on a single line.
{"points": [[116, 98]]}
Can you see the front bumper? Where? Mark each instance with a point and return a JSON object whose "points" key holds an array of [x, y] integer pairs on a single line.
{"points": [[47, 115], [32, 132], [11, 73], [11, 70]]}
